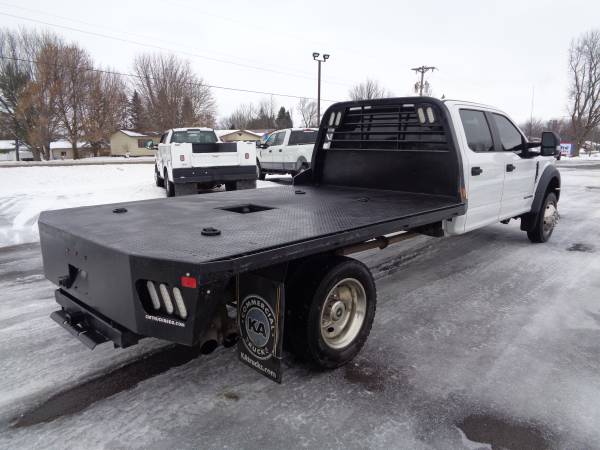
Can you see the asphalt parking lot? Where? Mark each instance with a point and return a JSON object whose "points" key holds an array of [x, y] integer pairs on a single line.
{"points": [[482, 340]]}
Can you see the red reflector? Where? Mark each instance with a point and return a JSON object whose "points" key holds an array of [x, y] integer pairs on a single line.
{"points": [[247, 155], [181, 157], [189, 282]]}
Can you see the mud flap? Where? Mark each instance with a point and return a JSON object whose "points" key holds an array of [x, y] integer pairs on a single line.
{"points": [[260, 311]]}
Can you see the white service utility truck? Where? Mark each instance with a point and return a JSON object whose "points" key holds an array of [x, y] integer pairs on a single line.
{"points": [[188, 159], [271, 265], [286, 151]]}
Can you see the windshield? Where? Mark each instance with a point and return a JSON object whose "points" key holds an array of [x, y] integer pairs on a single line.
{"points": [[194, 137]]}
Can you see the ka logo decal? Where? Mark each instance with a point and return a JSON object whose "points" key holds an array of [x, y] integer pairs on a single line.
{"points": [[257, 326]]}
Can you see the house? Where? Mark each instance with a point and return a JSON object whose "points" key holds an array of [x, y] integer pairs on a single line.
{"points": [[7, 151], [62, 149], [132, 143], [238, 135]]}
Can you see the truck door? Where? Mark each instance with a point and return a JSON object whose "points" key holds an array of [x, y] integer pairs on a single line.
{"points": [[275, 151], [519, 166], [484, 171]]}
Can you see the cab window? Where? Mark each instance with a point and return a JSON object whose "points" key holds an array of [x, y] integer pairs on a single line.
{"points": [[510, 137], [477, 130], [302, 137], [194, 137]]}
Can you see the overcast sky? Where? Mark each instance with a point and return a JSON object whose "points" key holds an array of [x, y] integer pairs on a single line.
{"points": [[490, 52]]}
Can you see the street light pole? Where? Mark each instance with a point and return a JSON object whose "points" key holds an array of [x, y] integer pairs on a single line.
{"points": [[319, 61]]}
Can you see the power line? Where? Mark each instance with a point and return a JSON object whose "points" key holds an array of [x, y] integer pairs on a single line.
{"points": [[158, 47], [145, 36], [133, 75]]}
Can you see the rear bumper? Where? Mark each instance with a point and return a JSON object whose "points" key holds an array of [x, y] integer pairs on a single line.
{"points": [[89, 326], [214, 174]]}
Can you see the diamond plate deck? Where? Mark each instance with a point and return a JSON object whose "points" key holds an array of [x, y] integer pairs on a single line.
{"points": [[170, 229]]}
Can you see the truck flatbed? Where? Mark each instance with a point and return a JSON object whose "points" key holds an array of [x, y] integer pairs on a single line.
{"points": [[256, 226]]}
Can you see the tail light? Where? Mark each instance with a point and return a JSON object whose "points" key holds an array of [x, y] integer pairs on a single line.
{"points": [[164, 292], [181, 309], [165, 299], [181, 157], [247, 155], [153, 295]]}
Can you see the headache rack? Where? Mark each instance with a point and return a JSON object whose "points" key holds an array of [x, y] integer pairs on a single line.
{"points": [[404, 127]]}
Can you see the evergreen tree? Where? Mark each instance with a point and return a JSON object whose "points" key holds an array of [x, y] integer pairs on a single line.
{"points": [[136, 112], [283, 119]]}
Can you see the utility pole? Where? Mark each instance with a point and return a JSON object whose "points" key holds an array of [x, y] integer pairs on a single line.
{"points": [[531, 112], [423, 70], [316, 58]]}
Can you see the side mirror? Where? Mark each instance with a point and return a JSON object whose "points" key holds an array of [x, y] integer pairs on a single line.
{"points": [[550, 145], [263, 145], [150, 145]]}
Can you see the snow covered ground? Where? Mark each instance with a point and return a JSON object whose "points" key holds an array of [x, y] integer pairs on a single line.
{"points": [[482, 340], [26, 191]]}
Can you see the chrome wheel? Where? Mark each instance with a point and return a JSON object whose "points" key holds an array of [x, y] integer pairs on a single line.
{"points": [[343, 313], [550, 217]]}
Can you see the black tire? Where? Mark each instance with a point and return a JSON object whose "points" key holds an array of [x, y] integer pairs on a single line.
{"points": [[309, 288], [160, 182], [545, 220], [231, 186], [259, 172], [169, 185], [245, 184]]}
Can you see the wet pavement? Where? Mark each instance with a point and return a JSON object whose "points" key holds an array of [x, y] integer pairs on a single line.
{"points": [[480, 341]]}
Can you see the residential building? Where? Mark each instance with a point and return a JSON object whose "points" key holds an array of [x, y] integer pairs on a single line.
{"points": [[132, 143]]}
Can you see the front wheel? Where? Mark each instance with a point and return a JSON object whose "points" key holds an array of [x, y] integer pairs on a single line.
{"points": [[546, 220], [331, 316], [160, 182], [259, 172], [169, 185]]}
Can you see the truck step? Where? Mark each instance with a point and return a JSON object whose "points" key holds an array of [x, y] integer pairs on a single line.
{"points": [[75, 324]]}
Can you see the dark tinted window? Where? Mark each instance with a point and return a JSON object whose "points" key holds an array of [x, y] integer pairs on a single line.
{"points": [[509, 135], [194, 137], [303, 137], [477, 130]]}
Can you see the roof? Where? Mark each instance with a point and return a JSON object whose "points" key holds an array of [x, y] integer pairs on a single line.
{"points": [[8, 144], [67, 145], [220, 133], [133, 133], [192, 128]]}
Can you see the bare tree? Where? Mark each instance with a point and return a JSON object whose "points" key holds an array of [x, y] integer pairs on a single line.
{"points": [[240, 118], [38, 106], [17, 53], [368, 89], [584, 95], [172, 95], [105, 109], [73, 87], [533, 128], [308, 113]]}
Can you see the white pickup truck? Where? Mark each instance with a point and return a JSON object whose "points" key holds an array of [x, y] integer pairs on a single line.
{"points": [[383, 171], [188, 159], [286, 151]]}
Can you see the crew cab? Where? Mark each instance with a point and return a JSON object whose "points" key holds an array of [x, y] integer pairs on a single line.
{"points": [[188, 159], [286, 151], [243, 264]]}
